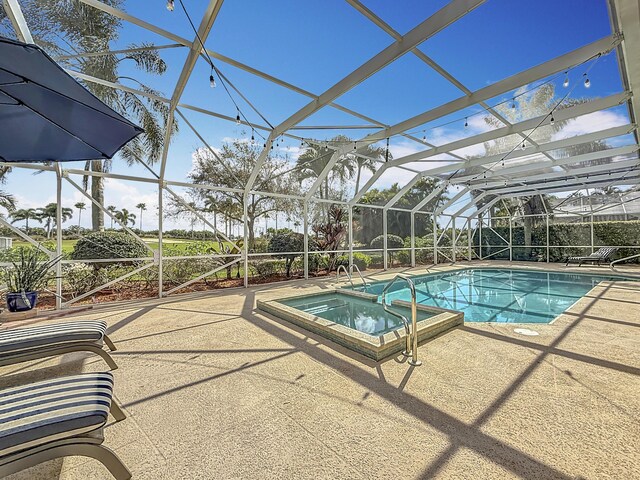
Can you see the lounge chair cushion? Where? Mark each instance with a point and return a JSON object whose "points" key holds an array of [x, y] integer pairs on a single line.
{"points": [[56, 409], [20, 340]]}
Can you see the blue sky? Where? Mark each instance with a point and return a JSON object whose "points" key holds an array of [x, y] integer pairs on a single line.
{"points": [[314, 44]]}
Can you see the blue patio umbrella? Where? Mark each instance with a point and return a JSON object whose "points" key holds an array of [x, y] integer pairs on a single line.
{"points": [[45, 115]]}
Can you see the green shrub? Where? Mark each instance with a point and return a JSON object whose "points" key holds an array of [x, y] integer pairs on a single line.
{"points": [[318, 261], [287, 242], [393, 241], [80, 278], [268, 268], [360, 259], [105, 245]]}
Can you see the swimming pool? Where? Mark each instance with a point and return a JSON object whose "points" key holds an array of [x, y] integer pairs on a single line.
{"points": [[497, 294], [352, 312]]}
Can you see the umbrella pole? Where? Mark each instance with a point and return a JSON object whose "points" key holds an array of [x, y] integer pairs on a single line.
{"points": [[58, 236]]}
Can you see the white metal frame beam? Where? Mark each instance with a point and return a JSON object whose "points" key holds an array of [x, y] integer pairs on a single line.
{"points": [[509, 171], [429, 27]]}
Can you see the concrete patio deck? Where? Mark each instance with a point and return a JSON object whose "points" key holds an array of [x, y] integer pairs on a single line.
{"points": [[214, 389]]}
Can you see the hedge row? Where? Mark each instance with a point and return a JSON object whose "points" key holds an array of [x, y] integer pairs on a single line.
{"points": [[564, 239]]}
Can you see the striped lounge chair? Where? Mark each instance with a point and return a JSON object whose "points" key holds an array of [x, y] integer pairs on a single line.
{"points": [[58, 418], [603, 255], [30, 343]]}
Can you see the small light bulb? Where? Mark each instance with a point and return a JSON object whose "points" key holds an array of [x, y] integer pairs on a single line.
{"points": [[523, 146], [170, 5], [424, 138], [212, 81], [238, 118], [355, 145], [513, 104], [253, 139], [587, 82], [466, 123], [565, 84], [553, 121]]}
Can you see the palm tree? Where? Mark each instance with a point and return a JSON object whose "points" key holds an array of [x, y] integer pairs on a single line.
{"points": [[125, 217], [49, 214], [25, 214], [315, 158], [80, 206], [142, 207], [72, 28], [7, 201], [210, 207], [368, 161], [112, 210]]}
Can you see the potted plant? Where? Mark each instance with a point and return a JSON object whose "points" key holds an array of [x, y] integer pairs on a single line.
{"points": [[27, 274]]}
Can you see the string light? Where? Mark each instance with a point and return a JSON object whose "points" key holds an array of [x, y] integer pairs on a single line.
{"points": [[552, 121], [386, 153], [170, 5], [212, 81], [355, 145], [587, 82], [253, 139], [466, 122], [238, 116], [565, 84], [513, 104], [523, 146]]}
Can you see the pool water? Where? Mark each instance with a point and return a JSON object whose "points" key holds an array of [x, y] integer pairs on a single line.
{"points": [[497, 295], [359, 314]]}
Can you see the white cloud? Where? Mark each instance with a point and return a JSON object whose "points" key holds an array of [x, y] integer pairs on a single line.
{"points": [[592, 122]]}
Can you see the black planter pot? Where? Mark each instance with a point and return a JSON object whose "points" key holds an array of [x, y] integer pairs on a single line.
{"points": [[16, 301]]}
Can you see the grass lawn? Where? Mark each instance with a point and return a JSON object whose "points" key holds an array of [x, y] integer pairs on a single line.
{"points": [[174, 243]]}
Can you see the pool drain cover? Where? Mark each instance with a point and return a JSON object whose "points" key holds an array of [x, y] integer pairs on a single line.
{"points": [[526, 331]]}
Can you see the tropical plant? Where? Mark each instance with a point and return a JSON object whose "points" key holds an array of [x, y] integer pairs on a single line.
{"points": [[125, 217], [142, 207], [312, 162], [329, 235], [7, 201], [71, 29], [25, 214], [30, 271], [80, 206], [49, 214], [530, 105]]}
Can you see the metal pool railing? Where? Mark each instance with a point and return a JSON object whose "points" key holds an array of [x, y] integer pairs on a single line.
{"points": [[411, 348]]}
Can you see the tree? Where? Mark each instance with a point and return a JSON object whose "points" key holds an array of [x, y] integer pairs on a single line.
{"points": [[232, 168], [125, 217], [142, 207], [80, 206], [398, 222], [368, 161], [315, 158], [50, 213], [74, 28], [26, 214], [112, 210], [529, 105], [7, 201], [287, 242]]}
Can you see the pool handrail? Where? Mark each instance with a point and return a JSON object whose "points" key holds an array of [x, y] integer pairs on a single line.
{"points": [[364, 282], [622, 260], [411, 348], [345, 272]]}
